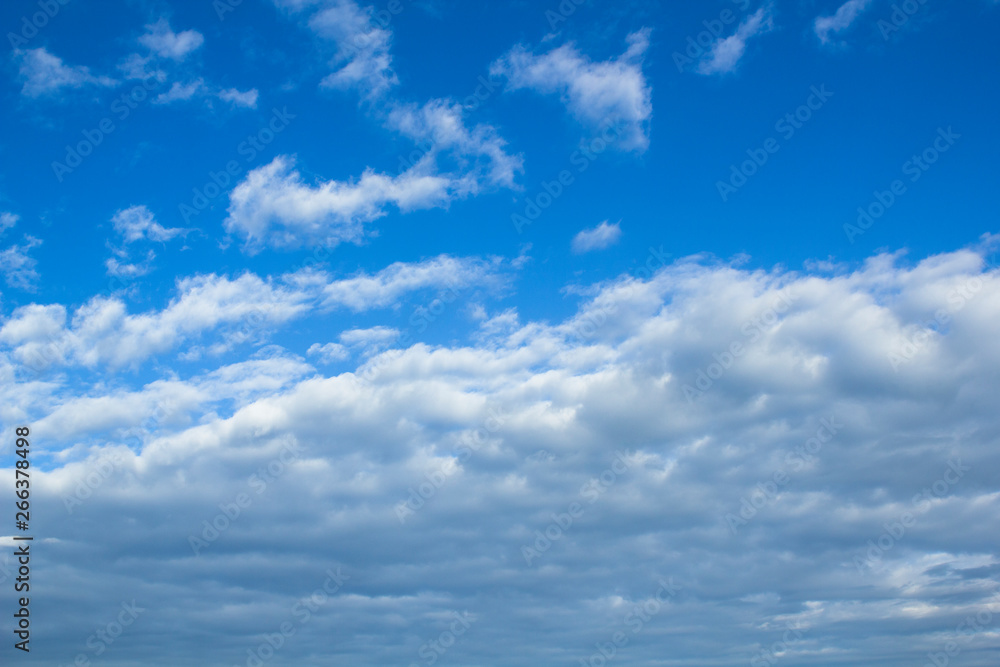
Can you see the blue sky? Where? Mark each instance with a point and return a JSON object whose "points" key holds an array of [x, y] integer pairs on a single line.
{"points": [[502, 249]]}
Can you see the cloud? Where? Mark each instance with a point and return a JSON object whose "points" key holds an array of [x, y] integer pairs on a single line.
{"points": [[274, 205], [246, 99], [726, 53], [598, 94], [102, 332], [492, 446], [841, 20], [328, 353], [7, 220], [46, 74], [180, 92], [598, 238], [367, 291], [164, 42], [137, 223], [480, 153], [212, 314], [18, 266], [363, 60]]}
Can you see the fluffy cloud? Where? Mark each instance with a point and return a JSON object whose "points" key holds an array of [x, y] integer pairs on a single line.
{"points": [[600, 237], [166, 43], [841, 19], [598, 94], [46, 74], [212, 314], [274, 205], [858, 400], [726, 53]]}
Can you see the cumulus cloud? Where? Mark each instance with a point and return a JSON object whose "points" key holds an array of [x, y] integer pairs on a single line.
{"points": [[726, 53], [599, 94], [598, 238], [212, 314], [102, 331], [857, 397], [841, 20], [46, 74], [164, 42]]}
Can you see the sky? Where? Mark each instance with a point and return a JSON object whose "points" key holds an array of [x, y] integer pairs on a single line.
{"points": [[502, 333]]}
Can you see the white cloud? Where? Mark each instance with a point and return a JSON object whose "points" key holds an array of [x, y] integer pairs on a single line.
{"points": [[18, 266], [45, 74], [480, 150], [841, 19], [598, 94], [363, 60], [164, 42], [597, 238], [180, 92], [726, 53], [102, 332], [367, 291], [7, 220], [514, 430], [238, 98], [274, 205], [213, 314], [328, 353], [137, 223]]}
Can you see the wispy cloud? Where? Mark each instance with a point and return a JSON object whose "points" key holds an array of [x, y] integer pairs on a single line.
{"points": [[46, 74], [596, 93], [597, 238], [726, 53], [840, 20]]}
